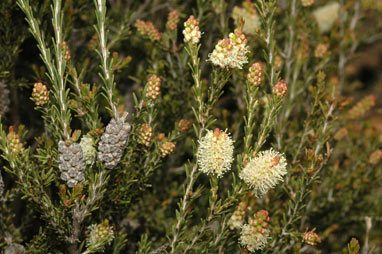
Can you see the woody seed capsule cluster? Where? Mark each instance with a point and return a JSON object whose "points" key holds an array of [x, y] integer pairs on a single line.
{"points": [[256, 74], [148, 29], [4, 98], [172, 20], [113, 142], [71, 163], [40, 94], [145, 134], [153, 87], [167, 148], [311, 238], [280, 88], [191, 30], [255, 234], [1, 185]]}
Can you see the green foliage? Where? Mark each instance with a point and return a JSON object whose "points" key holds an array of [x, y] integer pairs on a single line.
{"points": [[109, 65]]}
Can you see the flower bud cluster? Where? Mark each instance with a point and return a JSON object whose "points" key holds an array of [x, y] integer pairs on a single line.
{"points": [[249, 14], [256, 74], [4, 98], [153, 87], [215, 153], [148, 29], [145, 134], [40, 94], [321, 50], [362, 107], [280, 88], [230, 52], [66, 51], [307, 3], [87, 144], [183, 125], [167, 148], [191, 30], [100, 235], [113, 142], [71, 163], [375, 157], [254, 235], [311, 238], [172, 20], [14, 142], [264, 171], [238, 216]]}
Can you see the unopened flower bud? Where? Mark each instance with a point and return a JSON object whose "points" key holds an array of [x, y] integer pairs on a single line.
{"points": [[255, 234], [311, 238], [172, 20], [321, 50], [40, 94], [145, 134], [191, 30], [148, 29], [280, 88], [238, 216], [14, 142], [183, 125], [99, 236], [375, 157], [167, 148], [153, 87], [256, 74]]}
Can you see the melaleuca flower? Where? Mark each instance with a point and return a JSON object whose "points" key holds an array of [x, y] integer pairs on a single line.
{"points": [[88, 149], [256, 74], [230, 52], [264, 171], [145, 134], [40, 94], [254, 235], [113, 142], [191, 30], [172, 20], [4, 98], [148, 29], [250, 16], [280, 88], [183, 125], [326, 16], [71, 163], [237, 218], [215, 153], [14, 142], [307, 3], [311, 238], [100, 235], [153, 87]]}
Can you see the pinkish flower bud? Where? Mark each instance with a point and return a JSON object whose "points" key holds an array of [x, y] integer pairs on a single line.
{"points": [[145, 134], [311, 238], [256, 74], [148, 29], [281, 88], [172, 20], [153, 87], [40, 94], [167, 148]]}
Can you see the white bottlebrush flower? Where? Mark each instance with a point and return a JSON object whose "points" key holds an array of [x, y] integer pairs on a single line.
{"points": [[250, 16], [230, 52], [326, 16], [215, 153], [264, 171], [88, 148]]}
